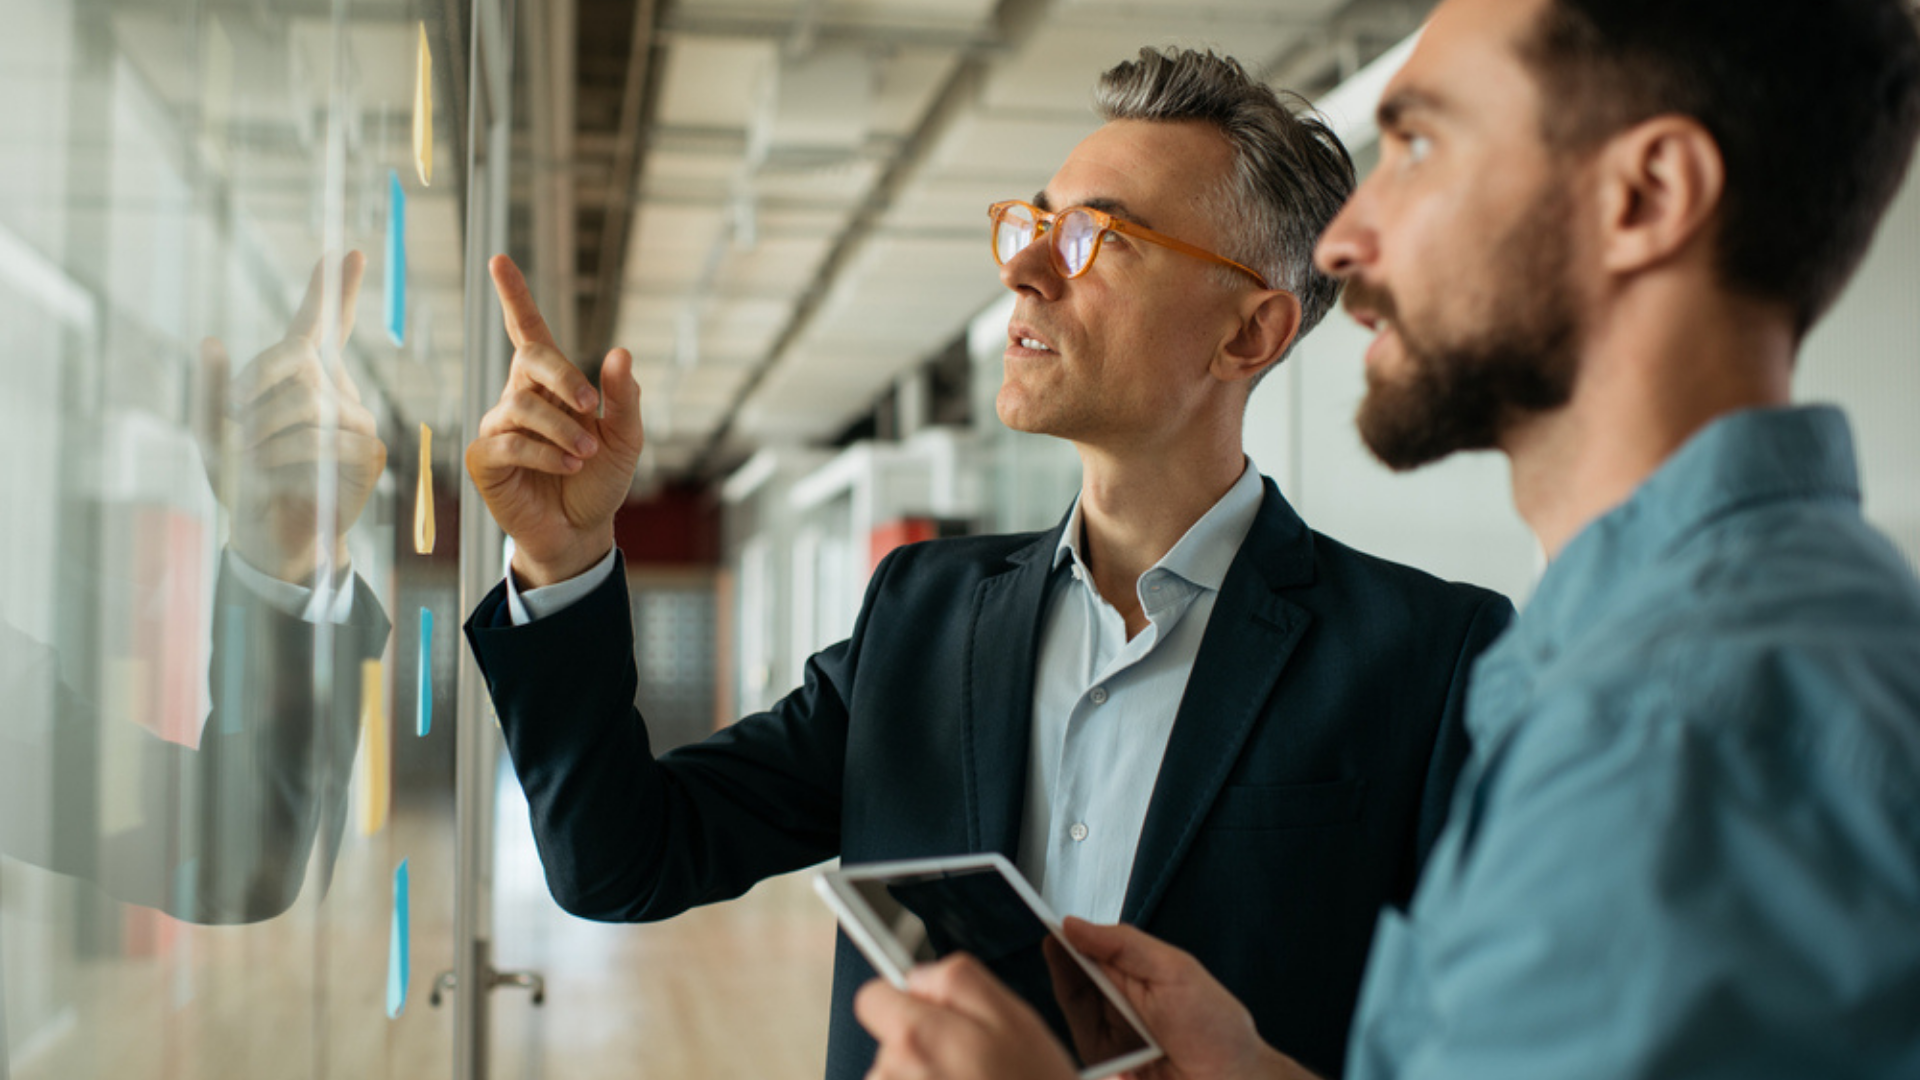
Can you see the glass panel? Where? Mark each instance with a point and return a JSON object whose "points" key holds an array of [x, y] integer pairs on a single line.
{"points": [[219, 337]]}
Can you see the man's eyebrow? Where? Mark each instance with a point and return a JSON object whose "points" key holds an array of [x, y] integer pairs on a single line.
{"points": [[1117, 209], [1106, 206], [1395, 106]]}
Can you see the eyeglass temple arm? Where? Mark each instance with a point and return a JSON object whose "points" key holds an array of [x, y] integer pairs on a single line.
{"points": [[1164, 240]]}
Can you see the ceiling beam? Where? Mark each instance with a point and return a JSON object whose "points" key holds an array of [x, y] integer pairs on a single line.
{"points": [[779, 25]]}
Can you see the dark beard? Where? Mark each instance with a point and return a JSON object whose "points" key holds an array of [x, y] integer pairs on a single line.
{"points": [[1466, 393]]}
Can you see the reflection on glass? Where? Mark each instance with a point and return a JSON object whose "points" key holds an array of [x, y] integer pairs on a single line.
{"points": [[198, 542], [215, 822]]}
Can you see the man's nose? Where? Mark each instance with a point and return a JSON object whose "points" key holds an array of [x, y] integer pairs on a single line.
{"points": [[1031, 270], [1348, 244]]}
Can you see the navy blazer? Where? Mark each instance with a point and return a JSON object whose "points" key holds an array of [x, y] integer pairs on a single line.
{"points": [[1308, 772]]}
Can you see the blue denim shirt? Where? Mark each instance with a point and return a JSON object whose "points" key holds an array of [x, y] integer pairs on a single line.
{"points": [[1688, 841]]}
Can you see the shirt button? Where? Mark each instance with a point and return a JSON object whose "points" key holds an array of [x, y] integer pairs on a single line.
{"points": [[1099, 695], [1079, 831]]}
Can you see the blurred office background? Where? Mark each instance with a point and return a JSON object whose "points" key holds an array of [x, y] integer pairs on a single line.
{"points": [[255, 833]]}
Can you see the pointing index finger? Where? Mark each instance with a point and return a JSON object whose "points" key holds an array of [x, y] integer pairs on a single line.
{"points": [[524, 324], [306, 319], [305, 323]]}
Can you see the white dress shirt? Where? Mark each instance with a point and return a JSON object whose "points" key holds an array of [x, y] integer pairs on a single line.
{"points": [[524, 607], [329, 599], [1103, 706]]}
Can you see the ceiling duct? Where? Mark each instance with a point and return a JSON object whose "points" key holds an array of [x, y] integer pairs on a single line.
{"points": [[816, 107]]}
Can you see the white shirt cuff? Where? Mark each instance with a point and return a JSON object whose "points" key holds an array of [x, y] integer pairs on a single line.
{"points": [[548, 599], [330, 600]]}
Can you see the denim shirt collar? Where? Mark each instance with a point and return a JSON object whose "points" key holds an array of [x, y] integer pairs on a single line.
{"points": [[1740, 460]]}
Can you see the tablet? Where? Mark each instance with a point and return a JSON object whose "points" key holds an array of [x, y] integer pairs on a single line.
{"points": [[904, 913]]}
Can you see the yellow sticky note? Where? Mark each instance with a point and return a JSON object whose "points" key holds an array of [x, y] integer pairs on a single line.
{"points": [[376, 777], [423, 498], [423, 112]]}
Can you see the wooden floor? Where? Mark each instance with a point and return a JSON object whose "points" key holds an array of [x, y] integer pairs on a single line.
{"points": [[733, 990]]}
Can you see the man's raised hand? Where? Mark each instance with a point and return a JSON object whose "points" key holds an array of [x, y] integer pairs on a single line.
{"points": [[553, 466]]}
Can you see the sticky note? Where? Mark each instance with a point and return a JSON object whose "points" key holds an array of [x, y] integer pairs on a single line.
{"points": [[377, 775], [423, 112], [423, 718], [423, 496], [396, 258], [399, 959]]}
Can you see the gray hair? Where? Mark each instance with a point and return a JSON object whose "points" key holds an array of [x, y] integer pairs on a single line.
{"points": [[1290, 174]]}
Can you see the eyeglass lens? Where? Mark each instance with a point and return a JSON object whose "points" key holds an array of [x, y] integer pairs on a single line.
{"points": [[1073, 243], [1012, 232], [1078, 231]]}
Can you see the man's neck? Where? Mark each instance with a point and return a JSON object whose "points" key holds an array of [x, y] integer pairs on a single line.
{"points": [[1652, 377], [1133, 509]]}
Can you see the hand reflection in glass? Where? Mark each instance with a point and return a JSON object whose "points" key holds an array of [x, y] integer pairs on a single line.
{"points": [[223, 831], [283, 417]]}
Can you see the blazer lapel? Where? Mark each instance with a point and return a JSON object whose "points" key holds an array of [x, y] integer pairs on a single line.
{"points": [[1004, 647], [1252, 632]]}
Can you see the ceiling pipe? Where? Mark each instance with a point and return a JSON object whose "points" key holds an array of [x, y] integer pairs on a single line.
{"points": [[623, 177], [805, 33], [550, 76]]}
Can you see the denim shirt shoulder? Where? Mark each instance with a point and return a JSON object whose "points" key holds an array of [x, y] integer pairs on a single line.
{"points": [[1624, 567]]}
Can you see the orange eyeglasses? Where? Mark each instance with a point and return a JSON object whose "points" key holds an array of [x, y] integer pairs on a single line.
{"points": [[1076, 233]]}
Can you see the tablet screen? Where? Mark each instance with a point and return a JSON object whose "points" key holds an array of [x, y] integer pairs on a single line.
{"points": [[977, 911]]}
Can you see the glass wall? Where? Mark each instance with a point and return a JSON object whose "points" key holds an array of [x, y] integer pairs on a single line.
{"points": [[230, 314]]}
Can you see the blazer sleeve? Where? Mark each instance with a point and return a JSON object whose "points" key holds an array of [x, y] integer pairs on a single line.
{"points": [[224, 829], [626, 836], [1451, 745]]}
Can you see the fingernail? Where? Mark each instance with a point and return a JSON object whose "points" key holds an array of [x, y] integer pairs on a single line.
{"points": [[585, 445], [588, 399], [570, 461]]}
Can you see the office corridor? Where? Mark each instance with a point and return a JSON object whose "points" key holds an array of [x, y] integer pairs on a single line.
{"points": [[731, 990]]}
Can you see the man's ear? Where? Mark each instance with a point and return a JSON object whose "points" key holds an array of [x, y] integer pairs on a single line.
{"points": [[1661, 183], [1269, 321]]}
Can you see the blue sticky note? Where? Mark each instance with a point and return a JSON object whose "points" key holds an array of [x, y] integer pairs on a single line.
{"points": [[396, 258], [423, 721], [398, 961]]}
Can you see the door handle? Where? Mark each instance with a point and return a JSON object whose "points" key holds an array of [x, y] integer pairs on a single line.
{"points": [[445, 983]]}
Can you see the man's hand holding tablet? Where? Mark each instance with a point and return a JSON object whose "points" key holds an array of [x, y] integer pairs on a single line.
{"points": [[913, 913]]}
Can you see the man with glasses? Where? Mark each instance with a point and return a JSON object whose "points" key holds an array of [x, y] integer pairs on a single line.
{"points": [[1688, 841], [1181, 708]]}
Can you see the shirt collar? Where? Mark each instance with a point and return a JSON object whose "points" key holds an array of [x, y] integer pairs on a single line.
{"points": [[1739, 460], [1204, 554]]}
